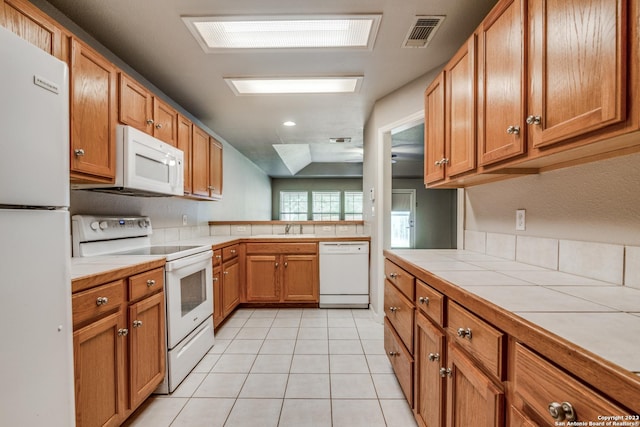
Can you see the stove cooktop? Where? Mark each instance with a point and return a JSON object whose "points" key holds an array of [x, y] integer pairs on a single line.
{"points": [[157, 250]]}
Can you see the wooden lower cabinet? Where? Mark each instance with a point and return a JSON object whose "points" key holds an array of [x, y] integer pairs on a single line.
{"points": [[401, 360], [429, 397], [147, 350], [472, 396], [280, 277], [230, 286], [100, 383], [218, 315]]}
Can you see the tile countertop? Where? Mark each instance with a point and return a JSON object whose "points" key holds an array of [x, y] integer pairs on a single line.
{"points": [[600, 317]]}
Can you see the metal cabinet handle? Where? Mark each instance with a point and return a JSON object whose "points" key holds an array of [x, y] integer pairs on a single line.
{"points": [[394, 309], [151, 282], [286, 264], [159, 126], [393, 353], [513, 130], [219, 256], [149, 121], [423, 300], [433, 357], [79, 152], [211, 187], [562, 411], [464, 333], [215, 279], [225, 273], [534, 120], [233, 251], [277, 265], [101, 301], [393, 275], [137, 323], [445, 372], [123, 332]]}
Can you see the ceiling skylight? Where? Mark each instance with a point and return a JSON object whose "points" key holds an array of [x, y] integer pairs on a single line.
{"points": [[221, 33], [285, 85]]}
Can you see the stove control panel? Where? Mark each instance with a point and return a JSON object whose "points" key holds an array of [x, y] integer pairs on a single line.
{"points": [[92, 228]]}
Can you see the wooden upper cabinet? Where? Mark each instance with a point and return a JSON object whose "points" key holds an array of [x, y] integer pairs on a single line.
{"points": [[30, 23], [93, 114], [434, 130], [501, 84], [577, 66], [215, 169], [184, 136], [145, 112], [200, 163], [460, 107]]}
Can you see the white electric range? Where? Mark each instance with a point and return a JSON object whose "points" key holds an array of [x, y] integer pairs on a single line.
{"points": [[188, 284]]}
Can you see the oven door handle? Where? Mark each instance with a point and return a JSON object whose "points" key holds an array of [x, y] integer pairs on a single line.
{"points": [[190, 260]]}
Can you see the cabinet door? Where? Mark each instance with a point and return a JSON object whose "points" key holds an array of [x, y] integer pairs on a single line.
{"points": [[165, 122], [230, 286], [434, 130], [93, 113], [471, 395], [135, 105], [501, 83], [98, 353], [215, 169], [147, 355], [429, 385], [461, 77], [578, 63], [300, 278], [262, 281], [184, 136], [200, 163], [30, 23], [218, 310]]}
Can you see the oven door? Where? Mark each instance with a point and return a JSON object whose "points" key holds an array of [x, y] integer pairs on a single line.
{"points": [[189, 293]]}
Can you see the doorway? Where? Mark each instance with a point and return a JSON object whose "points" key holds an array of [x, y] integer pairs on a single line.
{"points": [[403, 216]]}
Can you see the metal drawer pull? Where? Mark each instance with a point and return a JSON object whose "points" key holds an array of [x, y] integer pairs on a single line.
{"points": [[433, 357], [159, 126], [464, 333], [79, 152], [393, 275], [423, 300], [562, 411], [151, 282], [137, 323], [101, 301], [394, 353], [149, 121], [445, 372], [534, 120], [123, 332], [394, 309], [513, 130]]}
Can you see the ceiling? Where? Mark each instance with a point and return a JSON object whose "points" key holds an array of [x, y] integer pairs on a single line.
{"points": [[151, 37]]}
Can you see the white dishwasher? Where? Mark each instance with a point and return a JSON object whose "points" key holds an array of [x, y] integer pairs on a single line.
{"points": [[344, 274]]}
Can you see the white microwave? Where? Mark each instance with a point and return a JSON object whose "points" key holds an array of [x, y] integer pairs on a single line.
{"points": [[145, 166]]}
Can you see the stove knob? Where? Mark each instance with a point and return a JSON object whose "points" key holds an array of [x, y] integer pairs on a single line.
{"points": [[104, 225], [94, 225], [143, 223]]}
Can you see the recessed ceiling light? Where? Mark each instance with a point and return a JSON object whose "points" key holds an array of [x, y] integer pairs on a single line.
{"points": [[221, 33], [265, 86], [289, 123]]}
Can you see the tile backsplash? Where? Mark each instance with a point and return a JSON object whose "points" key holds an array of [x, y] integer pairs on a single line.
{"points": [[611, 263]]}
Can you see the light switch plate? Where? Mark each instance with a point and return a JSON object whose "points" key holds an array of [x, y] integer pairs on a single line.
{"points": [[521, 224]]}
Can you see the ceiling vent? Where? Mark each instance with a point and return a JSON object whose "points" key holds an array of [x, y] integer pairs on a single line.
{"points": [[422, 31]]}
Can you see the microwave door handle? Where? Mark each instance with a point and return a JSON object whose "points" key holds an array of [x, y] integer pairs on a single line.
{"points": [[173, 176]]}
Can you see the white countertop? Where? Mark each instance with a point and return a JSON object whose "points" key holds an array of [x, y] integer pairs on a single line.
{"points": [[600, 317]]}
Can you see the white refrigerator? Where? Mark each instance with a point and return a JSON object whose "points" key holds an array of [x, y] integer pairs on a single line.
{"points": [[36, 336]]}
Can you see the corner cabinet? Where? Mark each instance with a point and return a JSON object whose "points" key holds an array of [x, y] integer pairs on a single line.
{"points": [[282, 273], [93, 115]]}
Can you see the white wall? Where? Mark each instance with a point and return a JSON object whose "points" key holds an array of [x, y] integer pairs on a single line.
{"points": [[595, 202], [402, 106]]}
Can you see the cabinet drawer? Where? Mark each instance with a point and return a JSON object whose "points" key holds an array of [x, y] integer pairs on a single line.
{"points": [[96, 301], [484, 342], [400, 278], [217, 257], [540, 384], [430, 301], [400, 312], [401, 361], [282, 248], [146, 283], [230, 252]]}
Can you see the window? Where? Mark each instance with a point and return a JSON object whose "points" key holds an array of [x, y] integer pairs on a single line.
{"points": [[326, 206], [353, 205], [321, 205], [294, 205]]}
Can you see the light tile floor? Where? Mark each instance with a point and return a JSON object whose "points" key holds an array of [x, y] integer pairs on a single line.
{"points": [[287, 367]]}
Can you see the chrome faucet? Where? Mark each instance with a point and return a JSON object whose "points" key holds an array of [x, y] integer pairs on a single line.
{"points": [[287, 228]]}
